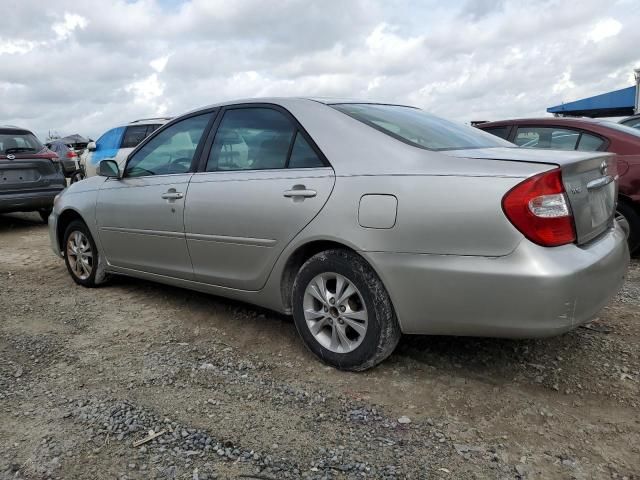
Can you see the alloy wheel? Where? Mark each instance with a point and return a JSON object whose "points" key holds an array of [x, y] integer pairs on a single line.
{"points": [[80, 255], [335, 312]]}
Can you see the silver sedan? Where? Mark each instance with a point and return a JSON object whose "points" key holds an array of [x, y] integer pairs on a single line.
{"points": [[364, 221]]}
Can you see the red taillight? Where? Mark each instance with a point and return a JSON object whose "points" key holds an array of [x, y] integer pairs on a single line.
{"points": [[71, 154], [539, 208]]}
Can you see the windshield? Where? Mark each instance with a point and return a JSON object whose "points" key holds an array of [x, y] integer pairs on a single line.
{"points": [[418, 128], [18, 141]]}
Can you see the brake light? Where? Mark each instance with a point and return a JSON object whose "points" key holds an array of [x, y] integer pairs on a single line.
{"points": [[539, 208], [71, 154]]}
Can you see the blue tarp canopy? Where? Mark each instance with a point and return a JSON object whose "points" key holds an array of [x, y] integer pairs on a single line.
{"points": [[618, 103]]}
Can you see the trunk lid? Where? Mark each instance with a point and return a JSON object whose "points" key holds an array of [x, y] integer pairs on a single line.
{"points": [[27, 172], [590, 180]]}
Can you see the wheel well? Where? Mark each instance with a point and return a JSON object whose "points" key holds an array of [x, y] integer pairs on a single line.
{"points": [[622, 198], [64, 220], [297, 259]]}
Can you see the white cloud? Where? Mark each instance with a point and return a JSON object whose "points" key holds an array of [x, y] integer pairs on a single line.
{"points": [[71, 22], [107, 62], [159, 63], [148, 92], [609, 27], [564, 83], [16, 46]]}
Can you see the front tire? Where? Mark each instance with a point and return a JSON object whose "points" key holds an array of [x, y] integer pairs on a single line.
{"points": [[80, 254], [343, 312]]}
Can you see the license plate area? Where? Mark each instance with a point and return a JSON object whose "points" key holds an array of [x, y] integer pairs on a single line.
{"points": [[17, 175]]}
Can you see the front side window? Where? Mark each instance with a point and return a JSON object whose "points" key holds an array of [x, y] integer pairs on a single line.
{"points": [[418, 128], [18, 141], [171, 151], [134, 135], [251, 139], [107, 145], [547, 137]]}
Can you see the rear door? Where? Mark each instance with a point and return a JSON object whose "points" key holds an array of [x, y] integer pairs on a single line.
{"points": [[263, 182], [26, 166]]}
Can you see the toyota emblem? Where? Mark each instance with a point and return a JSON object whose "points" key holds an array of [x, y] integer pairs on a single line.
{"points": [[10, 156]]}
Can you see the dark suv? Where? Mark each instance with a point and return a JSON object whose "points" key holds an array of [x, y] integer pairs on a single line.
{"points": [[30, 174]]}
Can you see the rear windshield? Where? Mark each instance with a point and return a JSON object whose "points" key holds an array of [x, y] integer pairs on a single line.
{"points": [[18, 141], [418, 128], [622, 128]]}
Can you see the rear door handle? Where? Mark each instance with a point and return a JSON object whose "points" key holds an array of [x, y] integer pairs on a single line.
{"points": [[172, 195], [300, 193]]}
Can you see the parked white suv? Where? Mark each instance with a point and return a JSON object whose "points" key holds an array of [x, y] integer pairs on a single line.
{"points": [[117, 143]]}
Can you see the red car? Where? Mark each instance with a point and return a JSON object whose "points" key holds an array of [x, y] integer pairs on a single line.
{"points": [[586, 134]]}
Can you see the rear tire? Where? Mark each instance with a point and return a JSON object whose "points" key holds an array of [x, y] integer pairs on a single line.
{"points": [[80, 254], [633, 220], [343, 312]]}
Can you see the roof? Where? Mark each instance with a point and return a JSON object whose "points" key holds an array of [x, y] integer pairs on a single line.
{"points": [[611, 104], [151, 120]]}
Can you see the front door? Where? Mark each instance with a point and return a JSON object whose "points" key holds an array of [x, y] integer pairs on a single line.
{"points": [[140, 216], [264, 182]]}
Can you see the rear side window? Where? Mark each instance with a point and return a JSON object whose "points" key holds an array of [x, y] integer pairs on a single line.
{"points": [[420, 129], [302, 155], [251, 139], [133, 135], [590, 143], [547, 137], [502, 132], [18, 141]]}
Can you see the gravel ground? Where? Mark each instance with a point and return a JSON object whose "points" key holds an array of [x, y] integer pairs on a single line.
{"points": [[84, 373]]}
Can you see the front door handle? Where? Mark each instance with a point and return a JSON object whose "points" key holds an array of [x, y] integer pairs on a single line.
{"points": [[172, 195], [304, 193]]}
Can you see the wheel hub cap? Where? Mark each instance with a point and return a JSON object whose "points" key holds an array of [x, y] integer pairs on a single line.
{"points": [[335, 312]]}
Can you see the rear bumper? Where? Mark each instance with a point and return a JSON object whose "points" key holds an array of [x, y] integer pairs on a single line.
{"points": [[533, 292], [28, 201]]}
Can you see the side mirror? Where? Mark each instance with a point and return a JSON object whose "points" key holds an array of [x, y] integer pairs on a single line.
{"points": [[109, 169], [91, 146]]}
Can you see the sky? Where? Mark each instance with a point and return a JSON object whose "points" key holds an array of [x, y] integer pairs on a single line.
{"points": [[86, 66]]}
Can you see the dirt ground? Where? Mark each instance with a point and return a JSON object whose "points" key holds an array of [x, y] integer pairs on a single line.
{"points": [[86, 372]]}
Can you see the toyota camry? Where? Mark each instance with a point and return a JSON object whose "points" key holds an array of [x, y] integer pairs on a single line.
{"points": [[364, 221]]}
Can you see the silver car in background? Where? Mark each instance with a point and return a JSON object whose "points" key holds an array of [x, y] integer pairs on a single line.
{"points": [[364, 221]]}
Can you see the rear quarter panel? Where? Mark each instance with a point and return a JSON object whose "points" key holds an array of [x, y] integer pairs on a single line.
{"points": [[448, 215]]}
